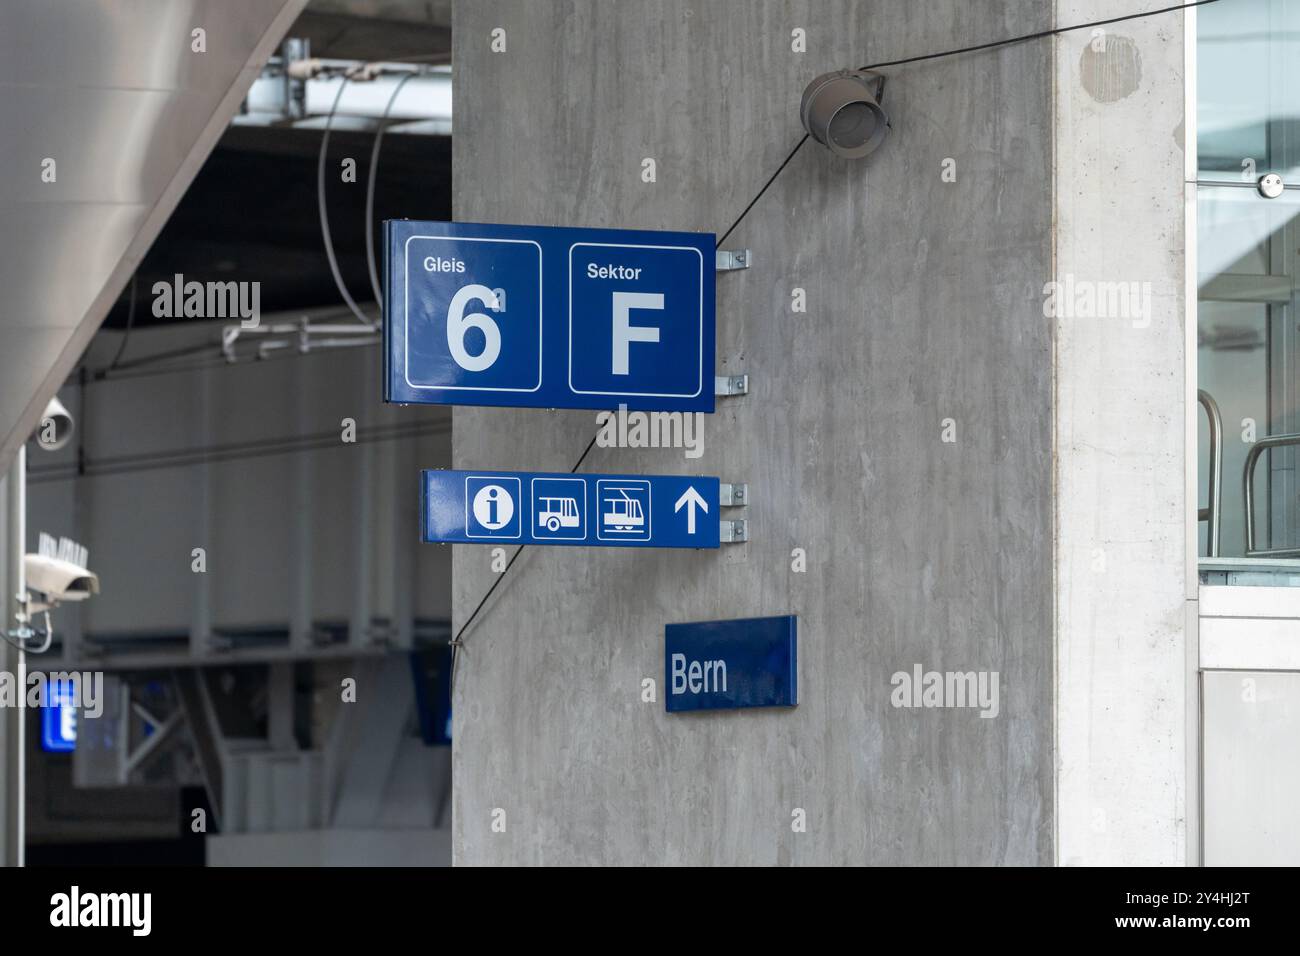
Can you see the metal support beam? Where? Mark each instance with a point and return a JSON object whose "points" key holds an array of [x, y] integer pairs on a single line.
{"points": [[161, 734], [280, 706], [304, 551], [201, 601], [363, 537], [205, 731], [302, 91], [405, 556], [366, 741], [13, 763]]}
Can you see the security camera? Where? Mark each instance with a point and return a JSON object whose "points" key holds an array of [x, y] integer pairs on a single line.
{"points": [[842, 111], [58, 573], [55, 429]]}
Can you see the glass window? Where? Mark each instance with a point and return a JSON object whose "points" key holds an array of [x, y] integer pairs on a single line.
{"points": [[1248, 339], [1248, 88]]}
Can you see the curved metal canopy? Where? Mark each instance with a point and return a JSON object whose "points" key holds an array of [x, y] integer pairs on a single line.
{"points": [[119, 97]]}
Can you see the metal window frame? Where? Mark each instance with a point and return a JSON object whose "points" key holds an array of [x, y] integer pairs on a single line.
{"points": [[1193, 714], [1228, 626]]}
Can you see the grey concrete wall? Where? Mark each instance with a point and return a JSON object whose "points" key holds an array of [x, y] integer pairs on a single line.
{"points": [[924, 303], [1127, 708]]}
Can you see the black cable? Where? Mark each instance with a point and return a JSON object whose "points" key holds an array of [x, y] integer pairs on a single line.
{"points": [[216, 454], [771, 179], [370, 191], [119, 368], [966, 49], [133, 369], [130, 320], [1037, 36], [324, 216], [82, 378], [590, 445], [456, 641], [227, 452]]}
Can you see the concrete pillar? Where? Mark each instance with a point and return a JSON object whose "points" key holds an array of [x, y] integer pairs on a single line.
{"points": [[201, 637], [1125, 567], [363, 538], [924, 321], [304, 517]]}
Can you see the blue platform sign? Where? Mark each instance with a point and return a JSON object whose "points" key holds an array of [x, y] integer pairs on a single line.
{"points": [[731, 664], [608, 511], [59, 718], [541, 317]]}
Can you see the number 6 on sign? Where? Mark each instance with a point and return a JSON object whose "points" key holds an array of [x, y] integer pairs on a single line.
{"points": [[458, 323], [597, 317]]}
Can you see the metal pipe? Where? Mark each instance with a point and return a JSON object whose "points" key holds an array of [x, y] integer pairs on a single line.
{"points": [[1257, 449], [331, 66], [231, 333], [425, 97], [341, 343], [13, 773], [341, 329], [311, 345], [1215, 485], [370, 193], [304, 331]]}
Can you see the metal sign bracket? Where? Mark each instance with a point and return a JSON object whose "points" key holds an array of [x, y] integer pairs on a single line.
{"points": [[733, 532], [730, 385], [733, 494], [728, 260]]}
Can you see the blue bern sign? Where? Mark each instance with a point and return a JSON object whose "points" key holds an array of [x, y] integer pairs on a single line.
{"points": [[731, 664], [547, 317], [614, 511]]}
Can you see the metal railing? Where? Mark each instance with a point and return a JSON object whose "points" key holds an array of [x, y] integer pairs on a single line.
{"points": [[1211, 514], [1257, 449]]}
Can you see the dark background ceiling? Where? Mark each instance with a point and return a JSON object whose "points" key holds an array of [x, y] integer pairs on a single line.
{"points": [[251, 214], [393, 31]]}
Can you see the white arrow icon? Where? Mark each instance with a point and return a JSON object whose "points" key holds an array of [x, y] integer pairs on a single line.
{"points": [[691, 498]]}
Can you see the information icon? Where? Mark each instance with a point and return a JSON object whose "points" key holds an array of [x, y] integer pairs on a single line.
{"points": [[492, 507]]}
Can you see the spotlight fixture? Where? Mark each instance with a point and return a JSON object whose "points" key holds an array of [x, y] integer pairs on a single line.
{"points": [[842, 111], [55, 428]]}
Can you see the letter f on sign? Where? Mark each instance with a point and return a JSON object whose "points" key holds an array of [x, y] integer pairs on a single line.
{"points": [[625, 332]]}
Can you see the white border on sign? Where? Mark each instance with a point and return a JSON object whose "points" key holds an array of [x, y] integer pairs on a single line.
{"points": [[532, 503], [519, 497], [649, 491], [406, 317], [626, 245]]}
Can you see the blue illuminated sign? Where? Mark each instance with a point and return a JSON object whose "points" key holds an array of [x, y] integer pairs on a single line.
{"points": [[546, 317], [507, 507], [59, 718]]}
